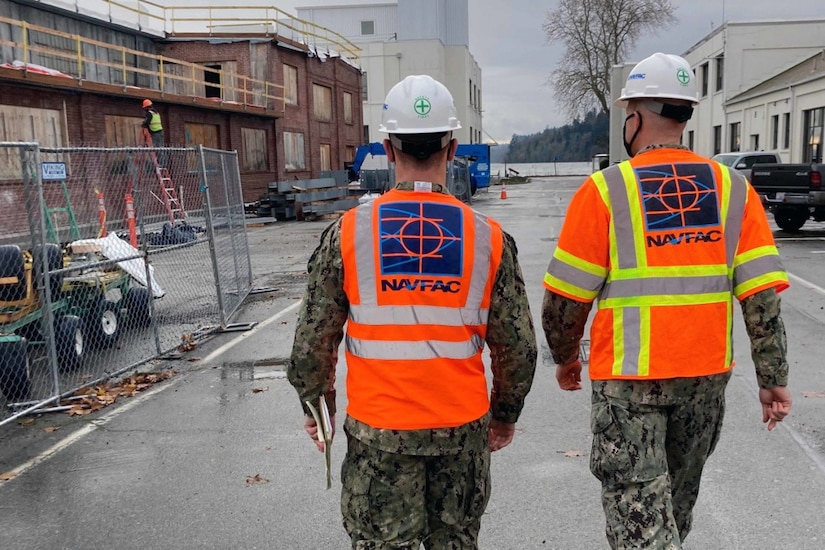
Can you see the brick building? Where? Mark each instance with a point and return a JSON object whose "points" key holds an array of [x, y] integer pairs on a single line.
{"points": [[290, 108]]}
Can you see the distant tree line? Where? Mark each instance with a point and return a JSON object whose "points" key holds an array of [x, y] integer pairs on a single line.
{"points": [[575, 142]]}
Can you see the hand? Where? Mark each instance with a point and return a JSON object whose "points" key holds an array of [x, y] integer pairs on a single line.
{"points": [[569, 376], [776, 404], [501, 434], [312, 429]]}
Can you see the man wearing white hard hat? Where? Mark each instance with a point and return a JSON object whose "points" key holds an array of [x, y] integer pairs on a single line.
{"points": [[422, 282], [662, 242]]}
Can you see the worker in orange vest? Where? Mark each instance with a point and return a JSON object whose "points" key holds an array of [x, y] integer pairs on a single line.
{"points": [[422, 282], [662, 242]]}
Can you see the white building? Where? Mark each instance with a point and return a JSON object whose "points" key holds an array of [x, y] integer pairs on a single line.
{"points": [[433, 40], [761, 87]]}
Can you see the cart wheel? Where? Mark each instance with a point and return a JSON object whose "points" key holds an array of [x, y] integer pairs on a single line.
{"points": [[12, 266], [103, 323], [137, 306], [70, 342], [54, 256], [15, 380]]}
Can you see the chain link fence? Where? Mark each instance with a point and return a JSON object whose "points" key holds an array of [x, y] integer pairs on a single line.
{"points": [[110, 257]]}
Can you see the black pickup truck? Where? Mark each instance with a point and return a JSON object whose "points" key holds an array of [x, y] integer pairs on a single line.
{"points": [[793, 192]]}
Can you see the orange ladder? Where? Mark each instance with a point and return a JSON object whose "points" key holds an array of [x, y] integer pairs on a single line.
{"points": [[168, 194]]}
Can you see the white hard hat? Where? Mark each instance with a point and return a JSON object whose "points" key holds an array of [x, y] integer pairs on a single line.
{"points": [[660, 76], [419, 104]]}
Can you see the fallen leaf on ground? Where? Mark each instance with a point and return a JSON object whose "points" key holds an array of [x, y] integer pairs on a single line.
{"points": [[7, 476], [26, 421], [259, 390], [193, 359], [256, 479], [50, 429], [813, 394], [573, 454]]}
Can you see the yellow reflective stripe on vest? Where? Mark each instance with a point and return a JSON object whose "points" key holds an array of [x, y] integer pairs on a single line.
{"points": [[589, 276], [631, 333]]}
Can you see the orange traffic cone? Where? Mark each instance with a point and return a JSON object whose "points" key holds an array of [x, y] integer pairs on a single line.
{"points": [[503, 191]]}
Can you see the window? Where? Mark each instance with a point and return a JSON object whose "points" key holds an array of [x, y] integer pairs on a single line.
{"points": [[786, 130], [349, 153], [322, 102], [366, 136], [775, 132], [291, 85], [472, 135], [814, 121], [754, 142], [717, 140], [212, 80], [705, 74], [690, 140], [253, 142], [367, 27], [735, 136], [472, 92], [294, 151], [720, 73], [325, 157], [364, 95], [347, 108]]}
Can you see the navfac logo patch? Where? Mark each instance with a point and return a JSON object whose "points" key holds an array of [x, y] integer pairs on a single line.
{"points": [[421, 239], [680, 200]]}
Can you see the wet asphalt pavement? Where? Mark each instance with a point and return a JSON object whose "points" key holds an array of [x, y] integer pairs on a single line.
{"points": [[216, 457]]}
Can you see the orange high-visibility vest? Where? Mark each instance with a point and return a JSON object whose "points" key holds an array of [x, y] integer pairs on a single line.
{"points": [[664, 241], [419, 269]]}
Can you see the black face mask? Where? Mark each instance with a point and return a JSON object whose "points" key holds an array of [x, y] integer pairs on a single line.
{"points": [[627, 143]]}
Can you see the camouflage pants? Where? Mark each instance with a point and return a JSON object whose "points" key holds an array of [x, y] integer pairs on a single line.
{"points": [[650, 443], [396, 501]]}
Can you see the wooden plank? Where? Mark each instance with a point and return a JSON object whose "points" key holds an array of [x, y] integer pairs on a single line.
{"points": [[289, 186]]}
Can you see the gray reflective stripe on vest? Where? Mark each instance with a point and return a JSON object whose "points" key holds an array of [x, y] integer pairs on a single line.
{"points": [[757, 267], [736, 209], [669, 286], [567, 272], [631, 334], [429, 349], [620, 209], [364, 254], [414, 315]]}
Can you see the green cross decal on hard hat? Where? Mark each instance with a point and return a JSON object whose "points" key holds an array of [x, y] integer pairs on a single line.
{"points": [[683, 76], [422, 106]]}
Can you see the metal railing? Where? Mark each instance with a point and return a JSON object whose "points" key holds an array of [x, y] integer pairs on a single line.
{"points": [[159, 19], [40, 49], [130, 254]]}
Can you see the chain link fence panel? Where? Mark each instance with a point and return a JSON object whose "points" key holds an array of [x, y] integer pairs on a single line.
{"points": [[116, 259]]}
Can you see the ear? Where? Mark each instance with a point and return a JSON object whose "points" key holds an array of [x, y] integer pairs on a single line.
{"points": [[452, 149], [389, 150]]}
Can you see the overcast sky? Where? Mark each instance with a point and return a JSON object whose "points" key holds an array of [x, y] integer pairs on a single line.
{"points": [[507, 41]]}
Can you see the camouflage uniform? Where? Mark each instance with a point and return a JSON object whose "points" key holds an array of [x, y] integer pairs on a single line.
{"points": [[651, 438], [402, 488]]}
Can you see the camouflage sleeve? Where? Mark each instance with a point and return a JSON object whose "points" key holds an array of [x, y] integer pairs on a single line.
{"points": [[311, 366], [511, 338], [769, 345], [563, 321]]}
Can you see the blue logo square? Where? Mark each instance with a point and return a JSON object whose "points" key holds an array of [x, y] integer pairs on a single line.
{"points": [[678, 196], [420, 238]]}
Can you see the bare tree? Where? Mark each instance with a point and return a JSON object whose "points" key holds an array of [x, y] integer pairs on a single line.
{"points": [[597, 34]]}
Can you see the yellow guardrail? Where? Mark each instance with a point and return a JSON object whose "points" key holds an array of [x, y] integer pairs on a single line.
{"points": [[118, 65]]}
